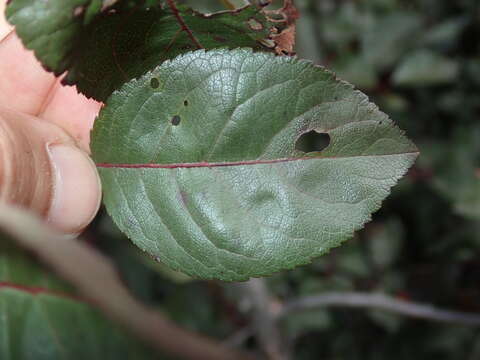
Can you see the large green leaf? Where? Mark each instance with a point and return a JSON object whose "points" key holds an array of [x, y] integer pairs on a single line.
{"points": [[199, 165], [102, 47], [41, 320]]}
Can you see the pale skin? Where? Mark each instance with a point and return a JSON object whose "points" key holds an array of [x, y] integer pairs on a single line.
{"points": [[44, 140]]}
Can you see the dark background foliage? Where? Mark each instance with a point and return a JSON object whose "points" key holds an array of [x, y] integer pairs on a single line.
{"points": [[419, 60]]}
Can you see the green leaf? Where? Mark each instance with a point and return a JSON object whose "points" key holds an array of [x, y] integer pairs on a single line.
{"points": [[357, 71], [390, 322], [309, 321], [18, 268], [425, 68], [446, 33], [389, 37], [455, 166], [199, 165], [386, 242], [352, 260], [102, 47], [41, 320]]}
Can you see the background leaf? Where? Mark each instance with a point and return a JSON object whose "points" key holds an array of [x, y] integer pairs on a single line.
{"points": [[228, 196], [457, 165], [41, 319], [385, 243], [94, 43], [425, 68]]}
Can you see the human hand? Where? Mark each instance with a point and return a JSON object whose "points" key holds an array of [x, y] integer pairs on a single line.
{"points": [[44, 137]]}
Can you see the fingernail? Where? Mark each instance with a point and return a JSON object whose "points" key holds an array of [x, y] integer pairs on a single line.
{"points": [[76, 190]]}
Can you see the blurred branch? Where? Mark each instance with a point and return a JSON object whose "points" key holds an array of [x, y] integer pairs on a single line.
{"points": [[264, 324], [382, 302], [98, 282]]}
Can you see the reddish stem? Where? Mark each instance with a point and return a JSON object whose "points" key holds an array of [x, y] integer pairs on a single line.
{"points": [[232, 163], [199, 164], [184, 26], [38, 290]]}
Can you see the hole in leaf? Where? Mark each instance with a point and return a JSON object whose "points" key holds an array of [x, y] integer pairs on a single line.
{"points": [[176, 120], [185, 103], [154, 83], [312, 141]]}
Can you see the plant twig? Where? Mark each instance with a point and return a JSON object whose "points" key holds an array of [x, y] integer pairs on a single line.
{"points": [[97, 281], [176, 13], [382, 302], [264, 323]]}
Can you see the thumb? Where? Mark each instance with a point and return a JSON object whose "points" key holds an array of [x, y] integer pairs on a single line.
{"points": [[42, 169]]}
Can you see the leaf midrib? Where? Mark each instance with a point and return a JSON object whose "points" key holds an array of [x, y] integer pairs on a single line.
{"points": [[237, 163], [36, 291]]}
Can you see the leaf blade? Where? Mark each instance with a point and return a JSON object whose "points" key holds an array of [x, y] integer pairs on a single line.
{"points": [[37, 311], [224, 193]]}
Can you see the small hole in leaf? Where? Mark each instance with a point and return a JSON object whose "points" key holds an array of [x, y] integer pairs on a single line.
{"points": [[312, 141], [154, 83], [176, 120], [185, 103]]}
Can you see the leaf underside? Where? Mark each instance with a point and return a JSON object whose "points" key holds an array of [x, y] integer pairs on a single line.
{"points": [[203, 173], [101, 48], [39, 320]]}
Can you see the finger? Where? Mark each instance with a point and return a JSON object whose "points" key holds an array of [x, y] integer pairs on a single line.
{"points": [[71, 111], [42, 169], [24, 84], [5, 27]]}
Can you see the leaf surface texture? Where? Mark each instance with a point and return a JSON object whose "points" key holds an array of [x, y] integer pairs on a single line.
{"points": [[200, 169]]}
